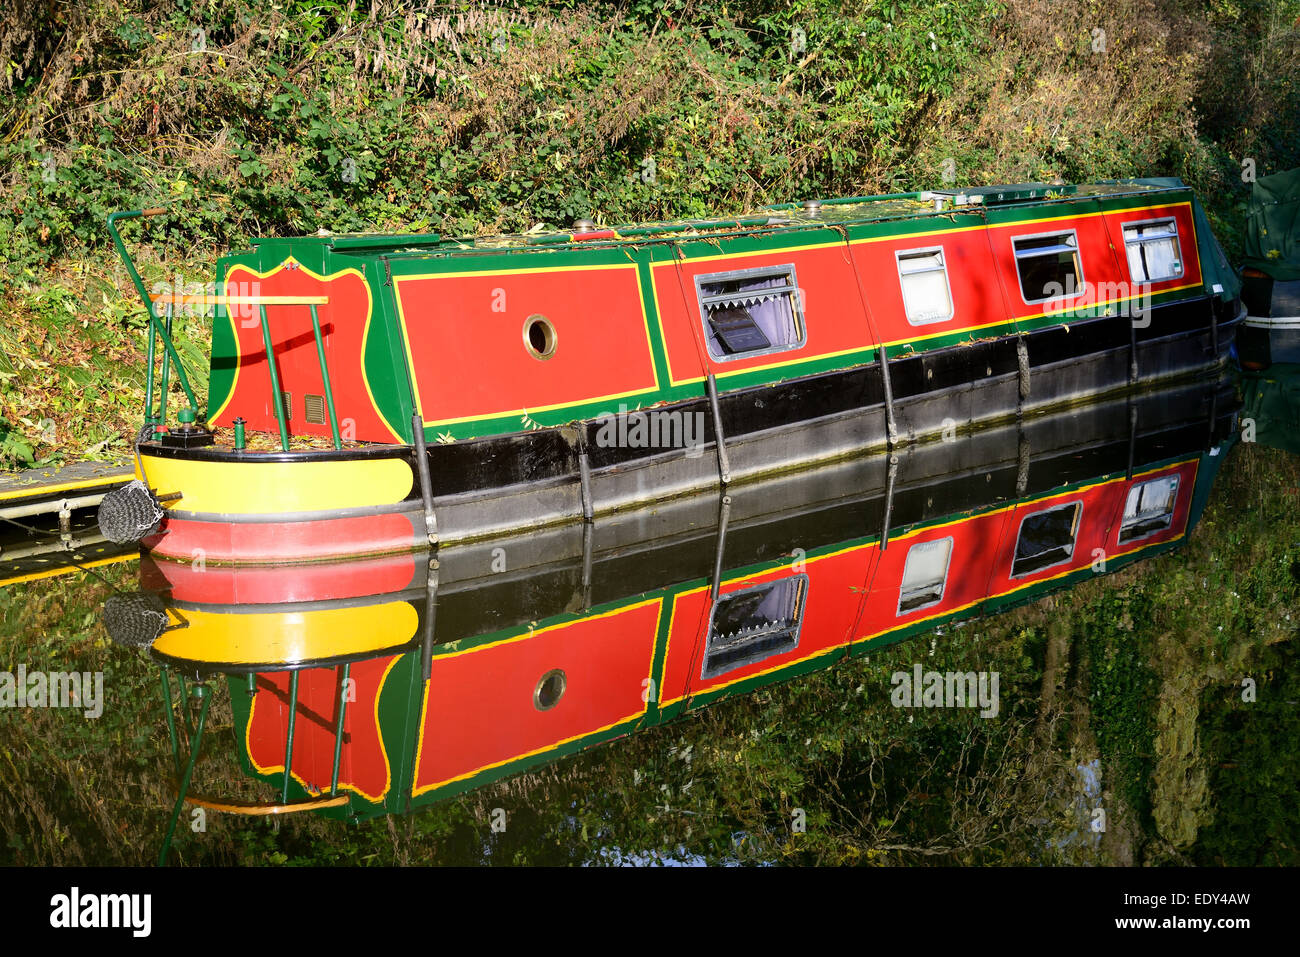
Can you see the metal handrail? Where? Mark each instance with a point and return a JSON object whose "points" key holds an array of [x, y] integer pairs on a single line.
{"points": [[184, 768], [174, 299], [260, 808], [158, 330], [179, 299], [161, 328]]}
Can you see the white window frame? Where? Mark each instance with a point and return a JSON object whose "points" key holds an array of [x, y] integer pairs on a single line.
{"points": [[943, 585], [943, 267], [1074, 539], [1029, 253], [1178, 241], [1168, 517], [796, 307]]}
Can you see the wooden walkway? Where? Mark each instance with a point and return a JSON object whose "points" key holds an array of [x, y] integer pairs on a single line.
{"points": [[81, 478], [74, 543]]}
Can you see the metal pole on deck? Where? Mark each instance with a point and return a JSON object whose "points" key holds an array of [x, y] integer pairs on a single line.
{"points": [[325, 377], [288, 742], [276, 396], [162, 382], [338, 728]]}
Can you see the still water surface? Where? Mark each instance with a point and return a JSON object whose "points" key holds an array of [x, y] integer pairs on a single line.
{"points": [[1068, 639]]}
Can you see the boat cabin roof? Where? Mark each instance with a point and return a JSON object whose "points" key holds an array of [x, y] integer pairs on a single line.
{"points": [[783, 216]]}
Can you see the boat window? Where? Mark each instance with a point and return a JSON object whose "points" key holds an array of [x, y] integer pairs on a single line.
{"points": [[1048, 266], [924, 278], [1149, 508], [750, 311], [754, 624], [550, 689], [539, 337], [1046, 539], [924, 575], [1153, 250]]}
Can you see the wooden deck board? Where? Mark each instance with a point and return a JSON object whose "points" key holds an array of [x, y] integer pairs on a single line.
{"points": [[70, 478]]}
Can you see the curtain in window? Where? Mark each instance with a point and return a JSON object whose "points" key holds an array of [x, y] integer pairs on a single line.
{"points": [[1155, 258]]}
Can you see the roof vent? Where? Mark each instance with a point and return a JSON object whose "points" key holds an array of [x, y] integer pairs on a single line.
{"points": [[995, 195]]}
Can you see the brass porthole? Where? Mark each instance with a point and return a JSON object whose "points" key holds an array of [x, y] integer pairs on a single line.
{"points": [[539, 337], [549, 690]]}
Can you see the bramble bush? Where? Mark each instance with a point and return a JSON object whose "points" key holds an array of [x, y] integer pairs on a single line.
{"points": [[485, 117]]}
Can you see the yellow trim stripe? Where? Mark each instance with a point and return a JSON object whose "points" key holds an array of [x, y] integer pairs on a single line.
{"points": [[63, 570], [251, 487], [289, 637]]}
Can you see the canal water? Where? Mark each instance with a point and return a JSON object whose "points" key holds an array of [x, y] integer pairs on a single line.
{"points": [[1067, 639]]}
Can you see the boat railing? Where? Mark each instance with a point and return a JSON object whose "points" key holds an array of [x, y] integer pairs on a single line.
{"points": [[160, 329], [184, 732], [169, 301]]}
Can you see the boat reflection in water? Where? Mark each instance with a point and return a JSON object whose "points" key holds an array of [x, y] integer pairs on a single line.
{"points": [[1271, 407], [386, 684]]}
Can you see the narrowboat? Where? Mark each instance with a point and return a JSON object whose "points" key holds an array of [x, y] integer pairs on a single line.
{"points": [[371, 394], [1270, 276], [378, 686]]}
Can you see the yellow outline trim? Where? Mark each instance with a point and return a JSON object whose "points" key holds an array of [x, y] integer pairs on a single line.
{"points": [[37, 489], [64, 569]]}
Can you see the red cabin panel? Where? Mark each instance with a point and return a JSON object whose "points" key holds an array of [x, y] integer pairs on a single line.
{"points": [[834, 320], [344, 321], [971, 554], [467, 335], [1181, 213], [976, 294], [482, 705], [1097, 261], [831, 602], [1099, 527]]}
